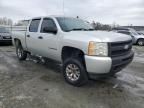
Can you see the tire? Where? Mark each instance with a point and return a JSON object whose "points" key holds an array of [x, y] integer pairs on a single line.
{"points": [[140, 42], [73, 77], [21, 54]]}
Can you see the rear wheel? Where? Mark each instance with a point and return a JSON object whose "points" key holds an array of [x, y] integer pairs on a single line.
{"points": [[140, 42], [74, 72], [21, 54]]}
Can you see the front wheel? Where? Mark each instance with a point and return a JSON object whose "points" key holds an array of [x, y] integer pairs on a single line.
{"points": [[21, 54], [140, 42], [74, 72]]}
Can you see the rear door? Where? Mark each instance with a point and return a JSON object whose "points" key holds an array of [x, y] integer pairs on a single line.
{"points": [[32, 36]]}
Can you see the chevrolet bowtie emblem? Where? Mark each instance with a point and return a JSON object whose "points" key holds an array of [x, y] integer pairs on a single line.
{"points": [[126, 47]]}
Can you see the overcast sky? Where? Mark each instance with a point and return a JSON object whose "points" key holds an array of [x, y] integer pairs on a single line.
{"points": [[123, 12]]}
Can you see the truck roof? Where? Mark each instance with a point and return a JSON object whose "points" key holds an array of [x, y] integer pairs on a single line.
{"points": [[52, 16]]}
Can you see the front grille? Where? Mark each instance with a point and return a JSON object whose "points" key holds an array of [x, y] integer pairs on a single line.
{"points": [[120, 48], [6, 37]]}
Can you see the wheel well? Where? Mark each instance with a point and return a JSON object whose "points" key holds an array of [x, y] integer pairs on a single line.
{"points": [[68, 52], [17, 41], [140, 39]]}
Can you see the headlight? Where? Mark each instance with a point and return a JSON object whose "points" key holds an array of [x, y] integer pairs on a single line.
{"points": [[97, 49]]}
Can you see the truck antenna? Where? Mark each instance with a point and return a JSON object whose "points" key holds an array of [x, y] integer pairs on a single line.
{"points": [[63, 8]]}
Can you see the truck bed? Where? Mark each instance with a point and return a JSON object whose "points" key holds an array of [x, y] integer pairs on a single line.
{"points": [[20, 33]]}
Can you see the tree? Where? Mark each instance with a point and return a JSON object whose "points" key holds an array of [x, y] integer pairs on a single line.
{"points": [[99, 26], [5, 21]]}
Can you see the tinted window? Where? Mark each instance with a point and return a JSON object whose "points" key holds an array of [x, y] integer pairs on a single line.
{"points": [[34, 25], [120, 29], [47, 23], [123, 32]]}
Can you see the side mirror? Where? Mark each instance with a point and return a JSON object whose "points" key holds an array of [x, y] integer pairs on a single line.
{"points": [[50, 30]]}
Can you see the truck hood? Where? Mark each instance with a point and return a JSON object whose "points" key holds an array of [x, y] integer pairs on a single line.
{"points": [[98, 36]]}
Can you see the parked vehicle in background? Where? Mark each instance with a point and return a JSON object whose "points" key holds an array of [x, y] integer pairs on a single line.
{"points": [[140, 33], [128, 33], [137, 38], [84, 52], [5, 36], [22, 23]]}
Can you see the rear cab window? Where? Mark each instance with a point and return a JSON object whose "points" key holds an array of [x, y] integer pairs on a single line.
{"points": [[34, 25], [124, 32]]}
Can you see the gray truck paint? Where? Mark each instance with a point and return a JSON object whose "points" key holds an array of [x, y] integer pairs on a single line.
{"points": [[76, 39]]}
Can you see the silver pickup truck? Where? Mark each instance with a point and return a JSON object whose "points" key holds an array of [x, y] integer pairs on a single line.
{"points": [[84, 52]]}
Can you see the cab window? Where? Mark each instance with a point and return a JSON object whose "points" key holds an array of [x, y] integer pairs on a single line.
{"points": [[124, 32], [34, 25], [47, 22]]}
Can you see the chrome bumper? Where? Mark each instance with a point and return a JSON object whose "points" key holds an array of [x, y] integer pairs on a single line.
{"points": [[107, 65], [98, 65]]}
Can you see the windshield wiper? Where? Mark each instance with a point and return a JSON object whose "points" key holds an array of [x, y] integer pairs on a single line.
{"points": [[82, 29], [90, 29], [77, 29]]}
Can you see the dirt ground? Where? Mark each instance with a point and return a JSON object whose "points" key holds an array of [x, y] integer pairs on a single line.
{"points": [[29, 84]]}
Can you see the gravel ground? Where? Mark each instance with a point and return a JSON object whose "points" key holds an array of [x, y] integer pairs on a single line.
{"points": [[29, 84]]}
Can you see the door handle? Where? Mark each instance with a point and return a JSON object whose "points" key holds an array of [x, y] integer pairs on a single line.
{"points": [[40, 37], [28, 35]]}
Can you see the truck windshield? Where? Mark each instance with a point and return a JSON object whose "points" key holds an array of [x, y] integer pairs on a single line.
{"points": [[73, 24], [3, 30]]}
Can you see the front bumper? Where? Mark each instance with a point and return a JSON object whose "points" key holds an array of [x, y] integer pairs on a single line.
{"points": [[98, 65], [107, 65]]}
